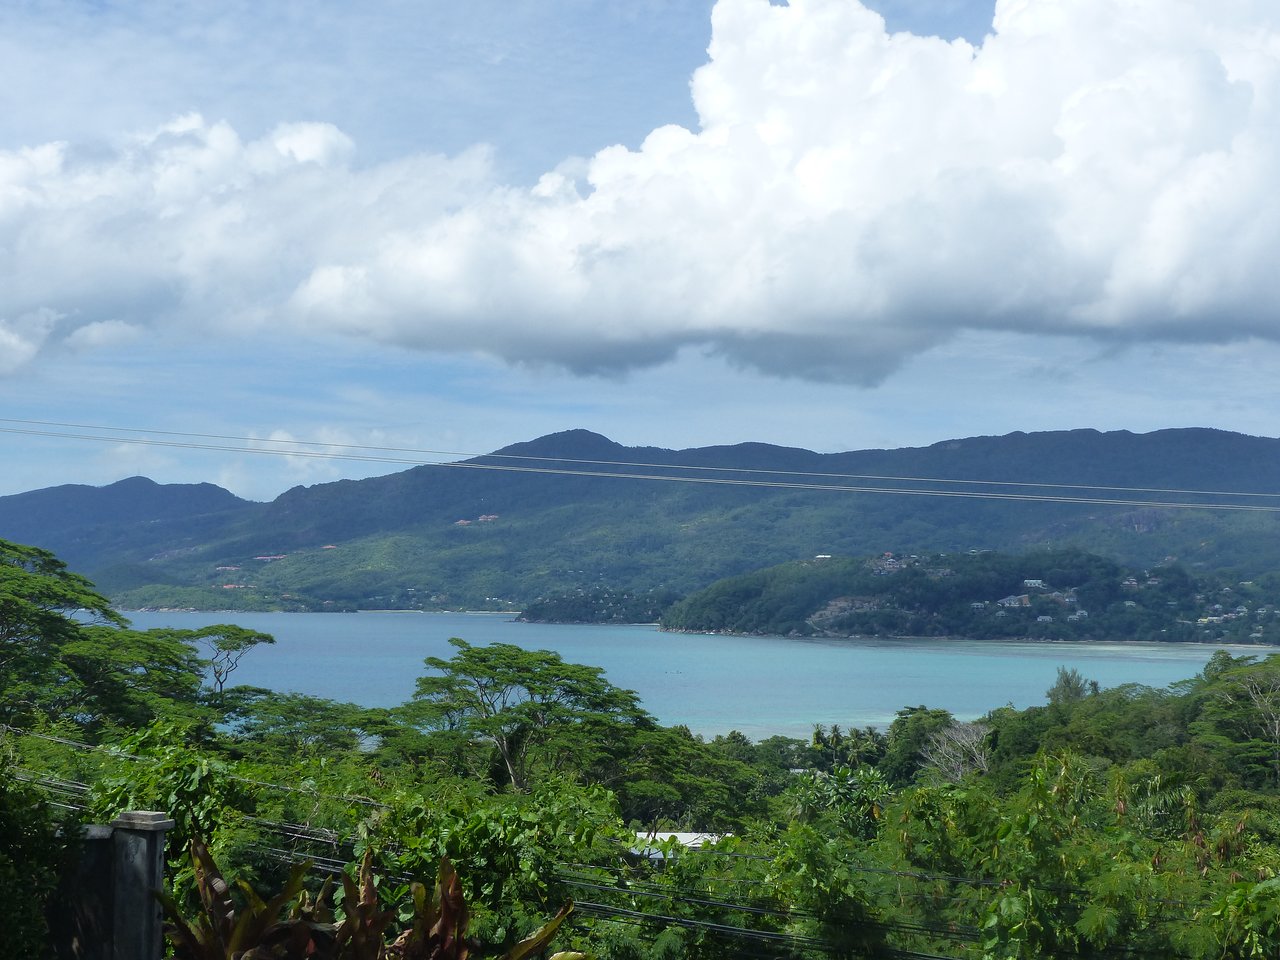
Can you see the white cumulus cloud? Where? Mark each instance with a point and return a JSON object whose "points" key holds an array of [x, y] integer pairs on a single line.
{"points": [[849, 199], [22, 337], [102, 333]]}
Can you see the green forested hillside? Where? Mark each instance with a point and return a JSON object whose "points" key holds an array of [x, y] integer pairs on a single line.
{"points": [[469, 536], [1043, 594]]}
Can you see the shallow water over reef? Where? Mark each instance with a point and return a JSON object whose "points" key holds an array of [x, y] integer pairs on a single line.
{"points": [[713, 684]]}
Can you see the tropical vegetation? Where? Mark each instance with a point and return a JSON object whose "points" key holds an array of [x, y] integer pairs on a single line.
{"points": [[1054, 594], [511, 531], [1132, 821]]}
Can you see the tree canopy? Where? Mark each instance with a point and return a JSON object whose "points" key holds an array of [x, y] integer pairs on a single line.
{"points": [[66, 654], [43, 608], [1128, 821], [529, 704]]}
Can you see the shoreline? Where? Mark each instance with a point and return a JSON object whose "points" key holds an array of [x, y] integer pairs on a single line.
{"points": [[952, 638], [820, 638], [374, 661]]}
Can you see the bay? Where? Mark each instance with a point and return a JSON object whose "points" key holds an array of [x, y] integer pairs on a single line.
{"points": [[713, 684]]}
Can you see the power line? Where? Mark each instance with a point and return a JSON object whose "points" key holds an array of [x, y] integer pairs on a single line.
{"points": [[120, 754], [577, 460], [949, 930], [329, 837], [74, 790], [1026, 497], [683, 896]]}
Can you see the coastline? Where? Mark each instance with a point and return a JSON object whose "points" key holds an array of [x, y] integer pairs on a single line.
{"points": [[953, 638], [710, 683], [820, 637]]}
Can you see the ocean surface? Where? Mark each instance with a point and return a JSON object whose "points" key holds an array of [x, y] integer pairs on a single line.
{"points": [[713, 684]]}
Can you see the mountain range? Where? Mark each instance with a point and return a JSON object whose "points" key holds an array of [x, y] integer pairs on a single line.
{"points": [[574, 512]]}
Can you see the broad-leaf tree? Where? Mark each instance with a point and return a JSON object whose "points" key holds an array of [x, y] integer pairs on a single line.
{"points": [[129, 678], [43, 607], [526, 704], [66, 654], [226, 644], [272, 726]]}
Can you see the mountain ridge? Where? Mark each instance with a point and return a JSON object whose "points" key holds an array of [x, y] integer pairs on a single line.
{"points": [[468, 534]]}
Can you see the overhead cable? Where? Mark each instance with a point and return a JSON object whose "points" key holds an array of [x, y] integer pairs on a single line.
{"points": [[675, 477]]}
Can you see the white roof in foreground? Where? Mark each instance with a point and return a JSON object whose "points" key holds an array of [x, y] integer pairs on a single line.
{"points": [[691, 840]]}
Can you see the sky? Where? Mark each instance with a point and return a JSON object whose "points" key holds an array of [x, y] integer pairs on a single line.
{"points": [[448, 227]]}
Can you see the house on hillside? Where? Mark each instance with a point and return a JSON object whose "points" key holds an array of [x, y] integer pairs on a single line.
{"points": [[1020, 600]]}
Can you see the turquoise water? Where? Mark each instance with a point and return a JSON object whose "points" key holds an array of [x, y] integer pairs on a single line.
{"points": [[759, 685]]}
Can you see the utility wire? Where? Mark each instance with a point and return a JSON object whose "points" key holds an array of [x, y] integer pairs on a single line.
{"points": [[622, 463], [75, 789], [327, 836], [373, 456], [120, 754], [946, 931], [950, 930], [333, 866]]}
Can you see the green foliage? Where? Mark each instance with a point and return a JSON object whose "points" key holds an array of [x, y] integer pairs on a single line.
{"points": [[227, 645], [31, 855], [65, 654], [365, 922], [1246, 918], [814, 874], [1073, 596], [38, 597], [219, 930], [1242, 712], [397, 542], [600, 604], [531, 706], [508, 846], [1069, 687], [1047, 855], [273, 727], [1068, 869], [908, 736], [1127, 820], [779, 600], [195, 787], [668, 777], [829, 747], [853, 800], [520, 718], [685, 900], [129, 678], [439, 927]]}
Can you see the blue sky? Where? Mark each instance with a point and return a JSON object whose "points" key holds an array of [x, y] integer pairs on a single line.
{"points": [[451, 227]]}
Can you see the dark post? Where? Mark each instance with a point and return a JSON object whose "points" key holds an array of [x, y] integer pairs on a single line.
{"points": [[83, 912], [138, 873]]}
